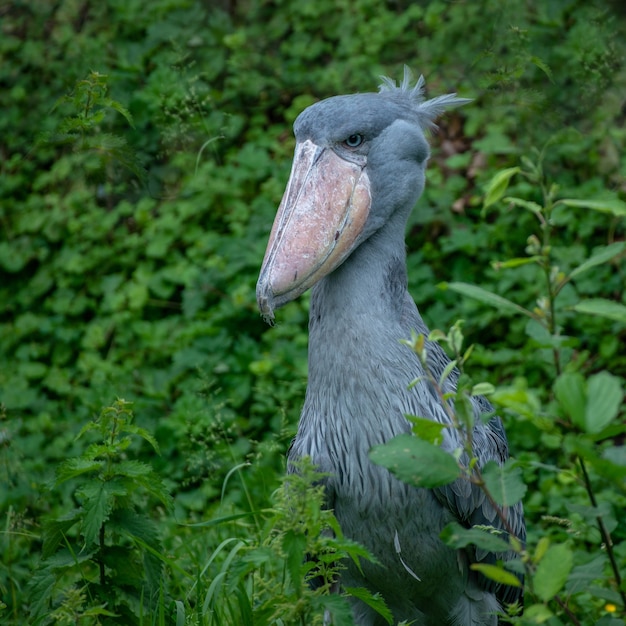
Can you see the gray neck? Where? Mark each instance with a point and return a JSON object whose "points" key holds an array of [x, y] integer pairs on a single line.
{"points": [[368, 289]]}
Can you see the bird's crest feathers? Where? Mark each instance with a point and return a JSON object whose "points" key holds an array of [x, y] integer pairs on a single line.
{"points": [[427, 111]]}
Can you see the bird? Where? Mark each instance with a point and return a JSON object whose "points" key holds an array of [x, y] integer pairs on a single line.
{"points": [[357, 172]]}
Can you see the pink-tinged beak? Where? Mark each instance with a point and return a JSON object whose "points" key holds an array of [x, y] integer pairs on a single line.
{"points": [[323, 211]]}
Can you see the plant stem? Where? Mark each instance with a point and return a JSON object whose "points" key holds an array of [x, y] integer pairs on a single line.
{"points": [[567, 610], [606, 535], [100, 556]]}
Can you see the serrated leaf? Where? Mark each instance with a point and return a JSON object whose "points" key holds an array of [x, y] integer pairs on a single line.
{"points": [[426, 429], [64, 558], [552, 571], [599, 258], [498, 185], [40, 587], [120, 109], [144, 434], [97, 510], [504, 482], [457, 536], [132, 469], [153, 484], [137, 526], [543, 66], [416, 462], [55, 531], [497, 574], [294, 546], [605, 393], [76, 467], [375, 601], [603, 308], [338, 606], [571, 394], [478, 293]]}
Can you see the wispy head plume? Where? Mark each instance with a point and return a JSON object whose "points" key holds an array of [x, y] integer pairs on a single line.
{"points": [[412, 97]]}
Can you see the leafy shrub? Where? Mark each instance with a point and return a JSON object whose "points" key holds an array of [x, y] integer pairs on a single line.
{"points": [[103, 558]]}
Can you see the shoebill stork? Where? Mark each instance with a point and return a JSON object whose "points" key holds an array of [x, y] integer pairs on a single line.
{"points": [[358, 169]]}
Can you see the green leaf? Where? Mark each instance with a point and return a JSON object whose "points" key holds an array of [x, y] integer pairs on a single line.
{"points": [[498, 185], [416, 461], [603, 308], [40, 588], [54, 531], [132, 469], [518, 399], [571, 394], [517, 262], [538, 613], [76, 467], [113, 104], [497, 573], [144, 434], [153, 484], [504, 482], [603, 255], [492, 299], [552, 571], [533, 207], [446, 372], [612, 206], [583, 575], [605, 393], [487, 539], [134, 524], [374, 601], [482, 389], [338, 606], [426, 429], [97, 510], [543, 66], [294, 545]]}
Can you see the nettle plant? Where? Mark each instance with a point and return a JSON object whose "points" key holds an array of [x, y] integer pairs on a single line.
{"points": [[575, 560], [82, 127], [283, 569], [103, 559]]}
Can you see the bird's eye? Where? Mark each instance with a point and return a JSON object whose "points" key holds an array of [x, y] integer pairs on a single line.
{"points": [[354, 141]]}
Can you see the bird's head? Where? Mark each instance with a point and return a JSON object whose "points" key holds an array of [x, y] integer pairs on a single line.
{"points": [[358, 160]]}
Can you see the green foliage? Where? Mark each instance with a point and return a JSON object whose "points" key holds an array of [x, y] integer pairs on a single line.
{"points": [[80, 129], [103, 558], [417, 462], [266, 576], [582, 414], [144, 150]]}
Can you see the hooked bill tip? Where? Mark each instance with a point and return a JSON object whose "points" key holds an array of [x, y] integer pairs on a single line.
{"points": [[266, 306]]}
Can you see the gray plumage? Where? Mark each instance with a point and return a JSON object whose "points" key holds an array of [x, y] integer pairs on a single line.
{"points": [[359, 370]]}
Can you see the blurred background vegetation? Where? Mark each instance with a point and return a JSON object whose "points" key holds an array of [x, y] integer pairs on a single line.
{"points": [[144, 148]]}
